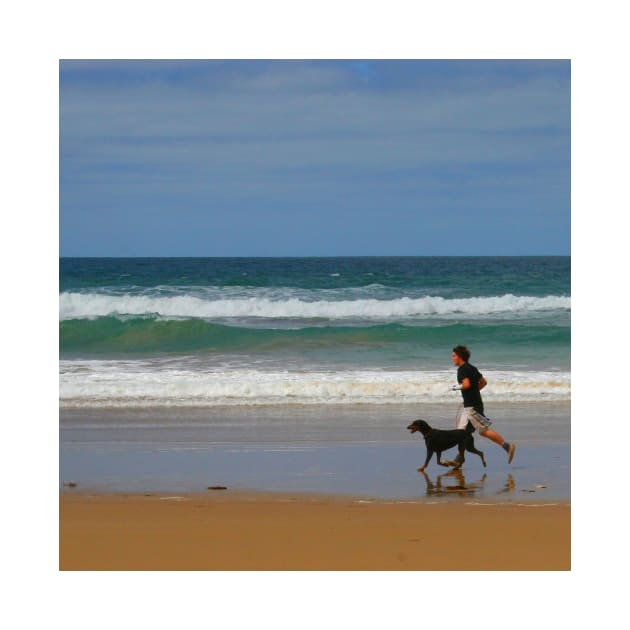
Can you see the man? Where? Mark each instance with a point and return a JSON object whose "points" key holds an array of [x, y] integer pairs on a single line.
{"points": [[470, 416]]}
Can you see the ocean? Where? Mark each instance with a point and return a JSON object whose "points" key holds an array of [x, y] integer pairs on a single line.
{"points": [[254, 331]]}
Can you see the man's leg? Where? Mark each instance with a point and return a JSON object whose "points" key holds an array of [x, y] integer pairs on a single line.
{"points": [[483, 426], [497, 438]]}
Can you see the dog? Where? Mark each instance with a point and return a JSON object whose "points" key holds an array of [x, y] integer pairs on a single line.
{"points": [[438, 440]]}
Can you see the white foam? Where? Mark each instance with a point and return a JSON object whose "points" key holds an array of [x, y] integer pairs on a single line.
{"points": [[118, 384], [88, 305]]}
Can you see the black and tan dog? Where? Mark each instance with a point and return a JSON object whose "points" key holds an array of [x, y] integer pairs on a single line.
{"points": [[438, 440]]}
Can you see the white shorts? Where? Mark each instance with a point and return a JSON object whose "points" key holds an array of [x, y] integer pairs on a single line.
{"points": [[478, 420]]}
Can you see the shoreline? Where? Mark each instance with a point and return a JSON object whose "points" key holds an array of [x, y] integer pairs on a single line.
{"points": [[352, 451], [253, 495], [279, 531]]}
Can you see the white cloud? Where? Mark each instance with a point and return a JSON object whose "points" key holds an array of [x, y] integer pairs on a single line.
{"points": [[291, 115], [305, 136]]}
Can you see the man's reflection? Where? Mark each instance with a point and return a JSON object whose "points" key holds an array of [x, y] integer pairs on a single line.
{"points": [[509, 485]]}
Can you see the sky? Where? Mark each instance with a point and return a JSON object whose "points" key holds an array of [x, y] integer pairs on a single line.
{"points": [[314, 158]]}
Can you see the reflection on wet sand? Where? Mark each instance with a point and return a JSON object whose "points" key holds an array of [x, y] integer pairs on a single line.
{"points": [[454, 482], [509, 485]]}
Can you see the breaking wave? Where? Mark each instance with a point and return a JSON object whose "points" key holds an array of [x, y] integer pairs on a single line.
{"points": [[74, 305], [121, 384]]}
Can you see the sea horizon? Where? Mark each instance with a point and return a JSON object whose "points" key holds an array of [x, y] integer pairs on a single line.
{"points": [[289, 256]]}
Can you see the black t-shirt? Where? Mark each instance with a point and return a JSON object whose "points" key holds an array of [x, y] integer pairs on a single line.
{"points": [[471, 396]]}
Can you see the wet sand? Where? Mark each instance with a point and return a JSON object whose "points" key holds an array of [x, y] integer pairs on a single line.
{"points": [[309, 489], [222, 530], [338, 450]]}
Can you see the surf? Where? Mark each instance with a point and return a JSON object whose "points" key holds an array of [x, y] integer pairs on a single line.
{"points": [[163, 384], [75, 305]]}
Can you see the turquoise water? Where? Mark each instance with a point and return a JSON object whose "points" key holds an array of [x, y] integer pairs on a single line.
{"points": [[255, 331]]}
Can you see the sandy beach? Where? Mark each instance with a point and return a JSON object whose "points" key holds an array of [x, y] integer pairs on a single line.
{"points": [[226, 531], [308, 491]]}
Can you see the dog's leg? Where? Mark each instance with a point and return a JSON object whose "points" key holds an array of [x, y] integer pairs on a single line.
{"points": [[450, 462], [458, 464], [459, 460], [426, 462], [480, 453], [462, 445], [470, 447], [446, 463]]}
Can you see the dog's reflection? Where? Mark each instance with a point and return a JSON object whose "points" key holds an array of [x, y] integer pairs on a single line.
{"points": [[454, 482]]}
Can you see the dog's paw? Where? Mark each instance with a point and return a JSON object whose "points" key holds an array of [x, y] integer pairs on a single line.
{"points": [[449, 462], [421, 469]]}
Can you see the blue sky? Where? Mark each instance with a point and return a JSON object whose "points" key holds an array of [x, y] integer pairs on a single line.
{"points": [[301, 158]]}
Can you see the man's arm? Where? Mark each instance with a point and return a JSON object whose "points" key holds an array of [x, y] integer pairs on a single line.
{"points": [[466, 384]]}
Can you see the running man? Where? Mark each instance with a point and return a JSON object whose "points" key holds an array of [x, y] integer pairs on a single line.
{"points": [[470, 416]]}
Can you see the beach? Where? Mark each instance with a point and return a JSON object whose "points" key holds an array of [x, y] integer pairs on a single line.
{"points": [[309, 489], [307, 533], [251, 414]]}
